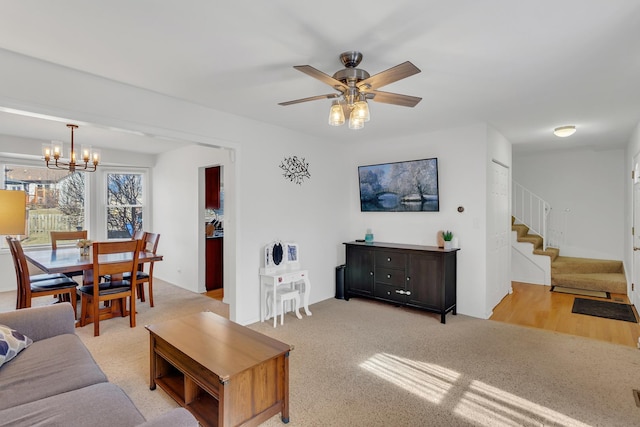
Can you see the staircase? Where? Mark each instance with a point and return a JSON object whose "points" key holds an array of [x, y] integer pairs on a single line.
{"points": [[578, 273]]}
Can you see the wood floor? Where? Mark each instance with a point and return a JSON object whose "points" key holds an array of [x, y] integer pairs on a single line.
{"points": [[537, 307], [215, 294]]}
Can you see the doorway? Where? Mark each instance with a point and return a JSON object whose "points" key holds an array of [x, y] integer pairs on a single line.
{"points": [[214, 230]]}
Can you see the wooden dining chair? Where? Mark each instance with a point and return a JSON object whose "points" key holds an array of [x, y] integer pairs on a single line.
{"points": [[150, 244], [32, 277], [114, 291], [57, 236], [54, 285], [62, 236]]}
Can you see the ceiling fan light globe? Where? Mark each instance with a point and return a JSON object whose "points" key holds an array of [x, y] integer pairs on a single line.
{"points": [[355, 122], [336, 115], [361, 109]]}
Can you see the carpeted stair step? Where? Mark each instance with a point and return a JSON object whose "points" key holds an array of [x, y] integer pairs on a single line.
{"points": [[522, 232], [591, 274], [553, 253], [564, 264], [607, 282]]}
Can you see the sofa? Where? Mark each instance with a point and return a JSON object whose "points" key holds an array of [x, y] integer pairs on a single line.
{"points": [[50, 378]]}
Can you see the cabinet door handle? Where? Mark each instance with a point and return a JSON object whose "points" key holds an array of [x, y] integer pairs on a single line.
{"points": [[400, 291], [371, 273], [407, 293], [408, 278], [388, 276], [389, 259]]}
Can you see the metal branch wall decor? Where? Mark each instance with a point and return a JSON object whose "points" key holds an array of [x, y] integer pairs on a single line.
{"points": [[295, 169]]}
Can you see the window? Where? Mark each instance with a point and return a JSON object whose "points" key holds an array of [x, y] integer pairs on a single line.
{"points": [[125, 204], [56, 200]]}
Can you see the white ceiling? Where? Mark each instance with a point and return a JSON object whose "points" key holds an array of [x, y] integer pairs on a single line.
{"points": [[524, 67]]}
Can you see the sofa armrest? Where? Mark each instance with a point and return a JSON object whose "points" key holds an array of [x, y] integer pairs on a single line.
{"points": [[39, 323], [178, 417]]}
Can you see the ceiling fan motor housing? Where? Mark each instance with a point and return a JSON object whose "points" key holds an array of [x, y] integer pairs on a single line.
{"points": [[351, 59], [351, 75]]}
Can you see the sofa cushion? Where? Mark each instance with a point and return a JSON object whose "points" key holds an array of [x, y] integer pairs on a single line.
{"points": [[48, 367], [103, 404], [12, 342]]}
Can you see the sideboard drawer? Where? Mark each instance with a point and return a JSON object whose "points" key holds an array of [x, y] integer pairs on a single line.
{"points": [[390, 276], [391, 259], [390, 293]]}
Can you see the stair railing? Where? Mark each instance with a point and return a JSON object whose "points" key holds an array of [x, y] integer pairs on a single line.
{"points": [[530, 210]]}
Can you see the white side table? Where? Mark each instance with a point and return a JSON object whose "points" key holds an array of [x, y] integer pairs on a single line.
{"points": [[270, 280]]}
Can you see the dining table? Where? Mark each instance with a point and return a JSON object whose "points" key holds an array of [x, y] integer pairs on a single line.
{"points": [[67, 259]]}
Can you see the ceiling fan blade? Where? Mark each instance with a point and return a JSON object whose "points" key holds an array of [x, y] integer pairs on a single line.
{"points": [[391, 75], [394, 98], [311, 98], [325, 78]]}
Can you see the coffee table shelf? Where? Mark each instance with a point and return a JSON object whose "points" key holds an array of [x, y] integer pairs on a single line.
{"points": [[224, 373]]}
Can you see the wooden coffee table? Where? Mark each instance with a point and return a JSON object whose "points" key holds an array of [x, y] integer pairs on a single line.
{"points": [[224, 373]]}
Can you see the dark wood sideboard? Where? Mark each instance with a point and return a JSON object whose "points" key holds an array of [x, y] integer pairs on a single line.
{"points": [[417, 276]]}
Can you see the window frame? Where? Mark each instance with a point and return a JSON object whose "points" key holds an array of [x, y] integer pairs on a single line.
{"points": [[29, 163], [104, 194]]}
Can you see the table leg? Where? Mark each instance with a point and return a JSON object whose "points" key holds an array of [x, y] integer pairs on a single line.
{"points": [[307, 291], [274, 304], [152, 364], [285, 384], [262, 301]]}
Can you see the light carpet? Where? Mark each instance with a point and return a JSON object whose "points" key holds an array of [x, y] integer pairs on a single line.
{"points": [[363, 363]]}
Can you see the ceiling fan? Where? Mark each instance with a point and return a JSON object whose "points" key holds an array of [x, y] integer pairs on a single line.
{"points": [[355, 86]]}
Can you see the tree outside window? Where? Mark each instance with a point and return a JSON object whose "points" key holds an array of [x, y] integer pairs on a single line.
{"points": [[124, 204]]}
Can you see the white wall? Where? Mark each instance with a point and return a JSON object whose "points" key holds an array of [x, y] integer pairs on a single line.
{"points": [[587, 187], [178, 213], [260, 206], [462, 169]]}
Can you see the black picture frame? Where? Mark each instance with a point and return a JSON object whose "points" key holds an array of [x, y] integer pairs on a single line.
{"points": [[407, 186]]}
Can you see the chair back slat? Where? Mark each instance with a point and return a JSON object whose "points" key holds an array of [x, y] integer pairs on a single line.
{"points": [[151, 242], [57, 236], [130, 251]]}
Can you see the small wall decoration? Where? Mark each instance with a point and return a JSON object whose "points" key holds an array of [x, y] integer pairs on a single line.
{"points": [[295, 169]]}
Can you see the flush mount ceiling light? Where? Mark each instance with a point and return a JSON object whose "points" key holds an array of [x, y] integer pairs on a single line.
{"points": [[355, 87], [564, 131]]}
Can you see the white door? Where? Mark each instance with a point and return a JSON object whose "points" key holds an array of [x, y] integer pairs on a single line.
{"points": [[636, 229], [499, 244]]}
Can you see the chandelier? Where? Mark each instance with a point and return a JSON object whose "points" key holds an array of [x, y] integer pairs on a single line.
{"points": [[87, 155]]}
